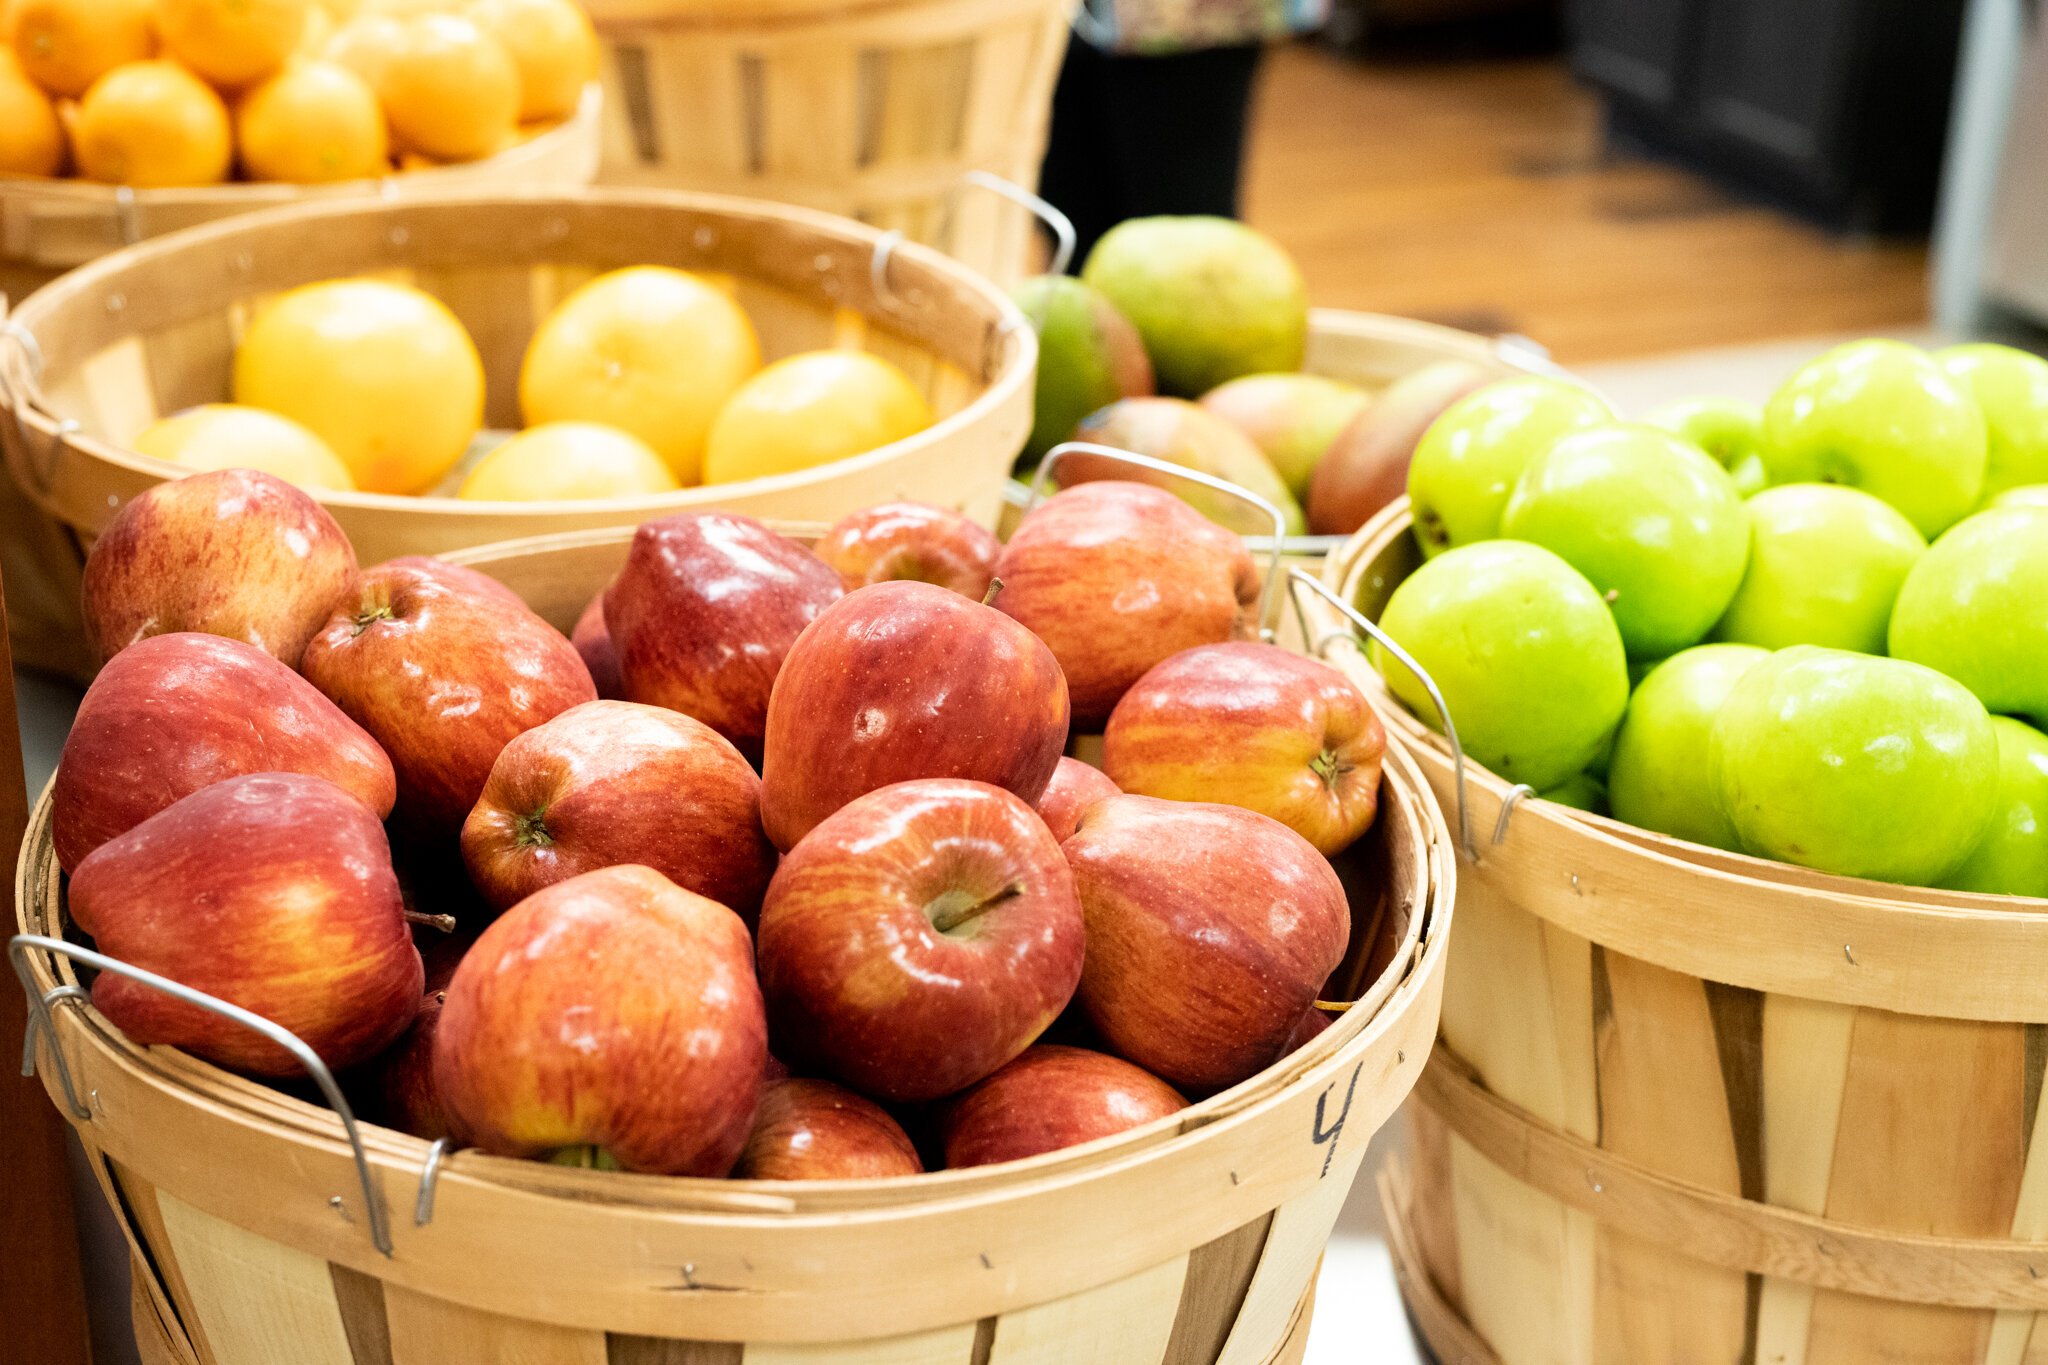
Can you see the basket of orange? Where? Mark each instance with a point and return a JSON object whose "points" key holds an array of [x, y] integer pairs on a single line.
{"points": [[452, 371]]}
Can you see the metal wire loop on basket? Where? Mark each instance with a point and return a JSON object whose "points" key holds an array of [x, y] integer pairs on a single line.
{"points": [[1516, 795], [430, 1180], [1269, 597], [1298, 578], [1065, 239], [18, 949], [878, 270]]}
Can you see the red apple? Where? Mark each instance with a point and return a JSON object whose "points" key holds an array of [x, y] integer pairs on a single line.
{"points": [[1075, 786], [815, 1130], [593, 640], [273, 892], [703, 612], [459, 577], [613, 1011], [443, 678], [1366, 467], [1313, 1025], [1116, 576], [1257, 726], [902, 681], [920, 937], [402, 1093], [911, 540], [612, 782], [230, 552], [174, 713], [1211, 929], [1049, 1098]]}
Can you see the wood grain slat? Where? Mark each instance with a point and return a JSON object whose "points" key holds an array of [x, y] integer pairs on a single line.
{"points": [[258, 1302], [429, 1331], [945, 1346], [1218, 1277], [1128, 1322]]}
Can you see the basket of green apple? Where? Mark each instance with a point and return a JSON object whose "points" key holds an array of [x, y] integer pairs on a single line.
{"points": [[1739, 1057], [1007, 1058], [1191, 340]]}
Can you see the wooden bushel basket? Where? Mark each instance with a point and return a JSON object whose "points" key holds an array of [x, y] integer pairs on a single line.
{"points": [[874, 109], [90, 360], [1191, 1241], [1690, 1106]]}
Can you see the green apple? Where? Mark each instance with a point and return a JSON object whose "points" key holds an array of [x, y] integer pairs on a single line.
{"points": [[1524, 651], [1658, 779], [1581, 792], [2010, 387], [1728, 429], [1212, 298], [1857, 765], [2026, 495], [1825, 563], [1883, 417], [1089, 356], [1293, 418], [1976, 607], [1180, 432], [1466, 464], [1651, 521], [2012, 857]]}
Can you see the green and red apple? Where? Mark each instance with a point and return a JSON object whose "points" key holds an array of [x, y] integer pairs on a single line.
{"points": [[1366, 466], [1292, 418], [1180, 432], [1089, 355]]}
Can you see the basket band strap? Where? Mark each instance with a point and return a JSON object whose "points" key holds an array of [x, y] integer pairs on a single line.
{"points": [[1724, 1230]]}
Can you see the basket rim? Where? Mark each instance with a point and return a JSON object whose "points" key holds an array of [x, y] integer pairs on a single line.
{"points": [[1417, 962], [256, 195], [1008, 369], [643, 15], [1743, 911]]}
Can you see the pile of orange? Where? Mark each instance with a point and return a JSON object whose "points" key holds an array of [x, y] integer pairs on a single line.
{"points": [[157, 93], [645, 380]]}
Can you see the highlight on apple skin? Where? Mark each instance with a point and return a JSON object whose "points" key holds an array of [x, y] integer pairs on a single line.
{"points": [[1075, 786], [809, 1129], [272, 891], [1049, 1098]]}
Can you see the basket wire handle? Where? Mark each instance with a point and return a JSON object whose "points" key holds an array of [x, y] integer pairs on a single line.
{"points": [[878, 270], [1065, 239], [18, 949], [1297, 579], [1269, 596]]}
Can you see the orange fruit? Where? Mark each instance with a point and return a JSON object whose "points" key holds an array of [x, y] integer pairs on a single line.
{"points": [[31, 138], [810, 409], [365, 45], [232, 42], [66, 45], [552, 44], [450, 90], [310, 123], [568, 460], [152, 124], [650, 350], [319, 32], [384, 374], [226, 436]]}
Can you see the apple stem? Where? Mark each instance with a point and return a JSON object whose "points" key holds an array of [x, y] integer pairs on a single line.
{"points": [[952, 909], [1328, 767], [585, 1156], [366, 619], [995, 585], [531, 830], [445, 923]]}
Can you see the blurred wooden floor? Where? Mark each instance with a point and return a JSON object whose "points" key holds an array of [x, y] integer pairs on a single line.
{"points": [[1477, 193]]}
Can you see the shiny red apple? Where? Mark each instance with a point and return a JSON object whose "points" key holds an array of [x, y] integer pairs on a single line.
{"points": [[915, 541], [1252, 725], [459, 577], [614, 1011], [593, 640], [1313, 1025], [1049, 1098], [1075, 786], [1116, 576], [612, 782], [703, 612], [1211, 929], [815, 1130], [443, 678], [919, 938], [902, 681], [1366, 467], [273, 892], [230, 552], [174, 713], [400, 1081]]}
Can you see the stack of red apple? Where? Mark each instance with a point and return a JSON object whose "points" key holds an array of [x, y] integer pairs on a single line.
{"points": [[777, 863]]}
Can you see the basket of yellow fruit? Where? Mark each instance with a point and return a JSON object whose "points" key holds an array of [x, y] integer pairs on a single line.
{"points": [[1741, 1056], [449, 371], [126, 119], [874, 110]]}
